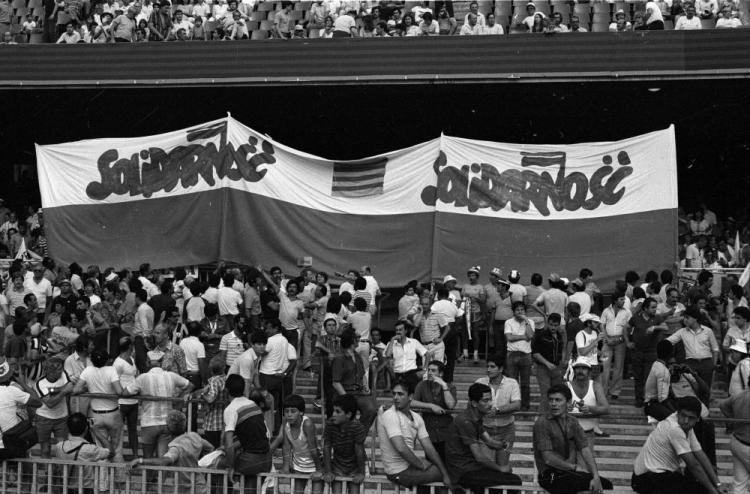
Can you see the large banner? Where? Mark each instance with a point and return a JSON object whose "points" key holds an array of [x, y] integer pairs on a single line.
{"points": [[221, 191]]}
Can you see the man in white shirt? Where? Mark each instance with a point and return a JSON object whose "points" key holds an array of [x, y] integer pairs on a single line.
{"points": [[474, 9], [399, 429], [403, 351], [694, 253], [53, 389], [157, 382], [143, 326], [348, 285], [580, 296], [701, 347], [528, 21], [345, 26], [657, 467], [613, 322], [195, 355], [232, 345], [688, 21], [472, 27], [229, 301], [104, 413], [490, 27], [246, 365], [519, 331], [146, 284], [42, 288], [275, 366], [291, 311], [372, 284]]}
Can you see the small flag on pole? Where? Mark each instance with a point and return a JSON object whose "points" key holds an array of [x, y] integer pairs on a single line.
{"points": [[359, 178], [25, 254], [745, 275]]}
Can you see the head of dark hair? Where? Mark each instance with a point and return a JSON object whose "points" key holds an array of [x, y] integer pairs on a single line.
{"points": [[124, 344], [360, 304], [631, 277], [704, 276], [438, 364], [666, 277], [99, 358], [736, 290], [517, 304], [556, 318], [235, 385], [347, 339], [651, 276], [585, 273], [75, 268], [346, 298], [664, 350], [323, 289], [144, 269], [213, 280], [536, 279], [443, 293], [295, 401], [167, 286], [333, 305], [638, 293], [655, 286], [743, 312], [498, 359], [194, 328], [228, 280], [258, 338], [211, 310], [689, 403], [477, 390], [560, 389], [141, 294], [77, 424], [347, 403], [19, 326], [360, 283], [574, 309], [405, 385], [82, 343]]}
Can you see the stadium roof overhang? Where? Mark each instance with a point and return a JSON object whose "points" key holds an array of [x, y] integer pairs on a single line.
{"points": [[665, 55]]}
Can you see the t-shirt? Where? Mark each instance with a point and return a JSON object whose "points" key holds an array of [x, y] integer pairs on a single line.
{"points": [[663, 448], [344, 23], [343, 439], [229, 301], [432, 392], [289, 312], [275, 359], [185, 451], [127, 372], [233, 345], [243, 417], [555, 301], [583, 300], [44, 388], [194, 350], [194, 308], [10, 398], [503, 393], [446, 307], [643, 340], [157, 382], [41, 290], [516, 328], [246, 365], [685, 24], [99, 380], [584, 339], [394, 423], [465, 431], [361, 322]]}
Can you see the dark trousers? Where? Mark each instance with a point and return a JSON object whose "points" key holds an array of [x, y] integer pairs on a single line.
{"points": [[275, 387], [478, 480], [498, 338], [140, 357], [659, 410], [642, 363], [214, 437], [704, 368], [665, 483], [518, 367], [411, 378], [566, 482], [451, 354], [130, 419], [197, 382]]}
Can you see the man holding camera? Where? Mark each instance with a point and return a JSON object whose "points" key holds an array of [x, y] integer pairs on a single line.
{"points": [[701, 348]]}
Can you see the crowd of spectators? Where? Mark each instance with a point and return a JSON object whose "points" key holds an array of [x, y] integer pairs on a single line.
{"points": [[86, 21]]}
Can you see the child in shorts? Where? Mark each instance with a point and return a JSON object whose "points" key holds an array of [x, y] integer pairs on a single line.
{"points": [[344, 446]]}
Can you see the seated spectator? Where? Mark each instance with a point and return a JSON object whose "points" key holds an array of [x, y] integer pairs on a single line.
{"points": [[659, 405], [741, 374], [327, 30], [728, 19], [344, 444], [184, 450], [408, 28], [558, 439], [447, 24], [179, 21], [472, 27], [527, 23], [688, 21], [428, 26], [243, 421], [620, 24], [556, 24], [491, 27], [588, 398], [399, 429], [708, 9], [235, 29], [437, 398], [468, 464], [77, 448], [653, 17], [657, 467]]}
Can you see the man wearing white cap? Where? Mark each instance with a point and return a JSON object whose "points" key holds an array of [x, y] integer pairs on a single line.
{"points": [[739, 380], [588, 398], [587, 340], [516, 289], [499, 309], [450, 310], [555, 299]]}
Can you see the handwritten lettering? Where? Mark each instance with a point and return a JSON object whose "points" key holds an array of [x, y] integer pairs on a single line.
{"points": [[481, 185], [154, 169]]}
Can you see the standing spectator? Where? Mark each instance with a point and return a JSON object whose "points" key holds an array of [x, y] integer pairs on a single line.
{"points": [[614, 324], [468, 465], [42, 288], [499, 424], [229, 300], [671, 310], [172, 357], [106, 422], [162, 302], [474, 9], [519, 332], [399, 429], [291, 311], [588, 398], [282, 23], [434, 329], [159, 25], [124, 26], [558, 440], [344, 444], [642, 339], [361, 322], [403, 351], [657, 467], [53, 389], [701, 348], [447, 23], [194, 309], [587, 340], [124, 364], [580, 296], [694, 254], [275, 366], [348, 375], [300, 446], [345, 26], [547, 349], [214, 329], [555, 299], [737, 406], [499, 309], [143, 326], [165, 384], [12, 395], [246, 365], [16, 292], [244, 421], [195, 355], [232, 345], [216, 397], [438, 397], [5, 13], [533, 291]]}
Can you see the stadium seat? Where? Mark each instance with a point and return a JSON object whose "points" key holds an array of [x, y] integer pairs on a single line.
{"points": [[259, 34], [313, 33], [485, 6], [296, 15], [582, 9], [668, 25], [601, 17], [708, 23], [267, 6], [562, 6], [503, 8], [266, 25], [253, 25], [258, 15], [543, 7], [304, 5], [599, 27], [20, 12], [35, 3]]}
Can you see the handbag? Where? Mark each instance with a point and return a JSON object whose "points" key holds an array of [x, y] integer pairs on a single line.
{"points": [[22, 436]]}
